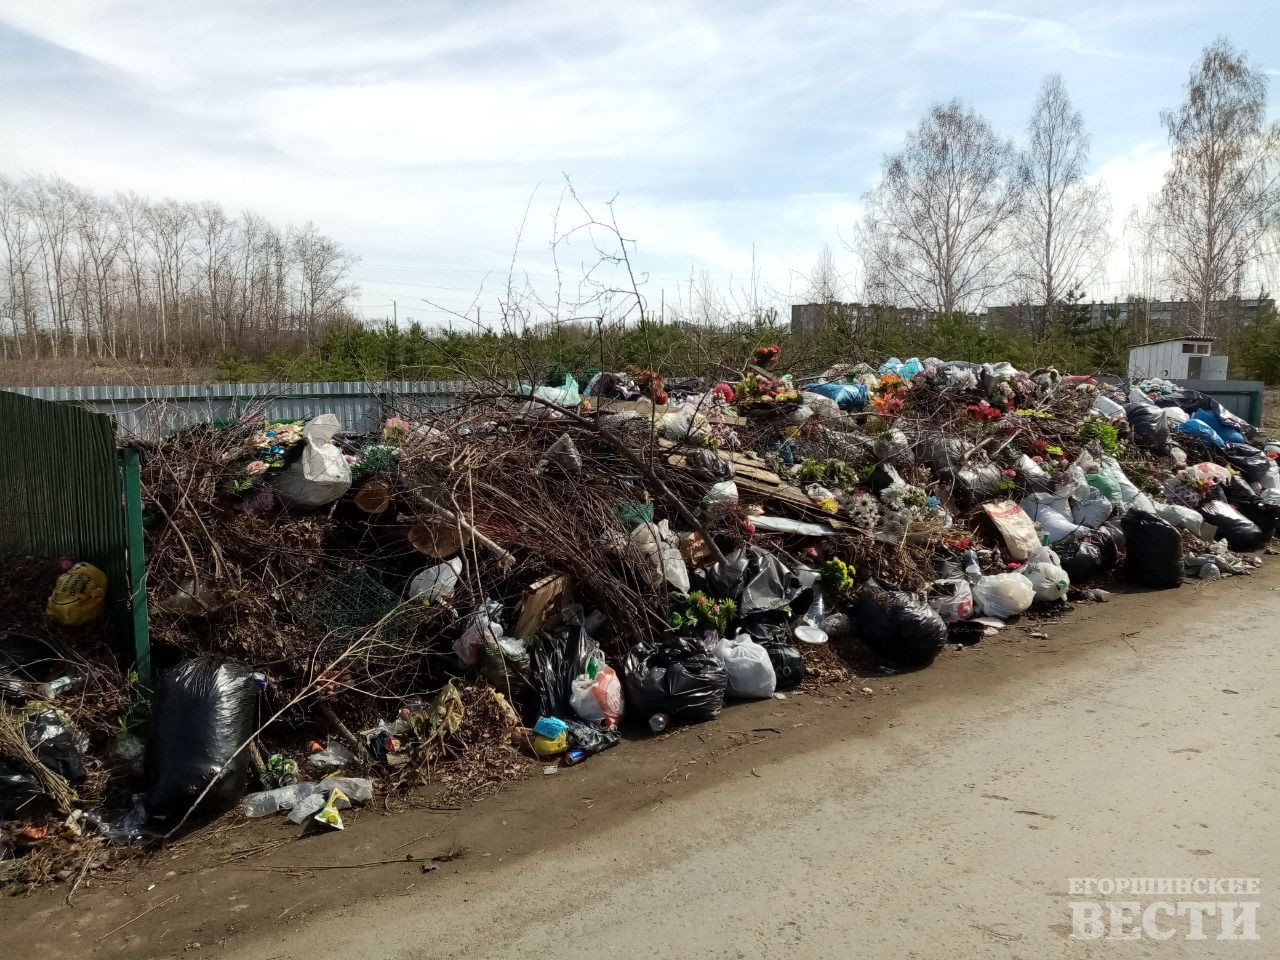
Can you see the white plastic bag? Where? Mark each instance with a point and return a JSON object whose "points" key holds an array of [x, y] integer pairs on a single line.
{"points": [[599, 698], [958, 606], [1003, 595], [1092, 511], [1184, 518], [749, 668], [1043, 554], [721, 499], [1053, 514], [482, 627], [1071, 483], [1048, 580], [321, 475], [437, 582], [657, 553], [681, 426], [1030, 469]]}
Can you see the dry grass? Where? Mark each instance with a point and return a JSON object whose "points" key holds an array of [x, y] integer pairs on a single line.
{"points": [[70, 372]]}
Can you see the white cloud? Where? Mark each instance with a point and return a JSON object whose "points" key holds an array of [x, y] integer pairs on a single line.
{"points": [[734, 132]]}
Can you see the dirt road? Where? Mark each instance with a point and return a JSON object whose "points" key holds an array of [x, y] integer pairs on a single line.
{"points": [[940, 816]]}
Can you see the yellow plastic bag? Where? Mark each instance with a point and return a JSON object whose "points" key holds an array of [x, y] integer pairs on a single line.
{"points": [[329, 815], [79, 597], [545, 747]]}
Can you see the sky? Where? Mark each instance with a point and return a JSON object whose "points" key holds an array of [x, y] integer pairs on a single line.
{"points": [[734, 139]]}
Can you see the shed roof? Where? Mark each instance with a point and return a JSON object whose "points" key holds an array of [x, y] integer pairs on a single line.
{"points": [[1152, 343]]}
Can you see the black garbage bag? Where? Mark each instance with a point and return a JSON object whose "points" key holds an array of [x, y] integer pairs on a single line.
{"points": [[975, 484], [788, 665], [1081, 559], [17, 789], [30, 656], [1241, 533], [1250, 462], [965, 632], [1089, 556], [678, 678], [943, 453], [54, 742], [1153, 551], [900, 627], [706, 464], [554, 663], [204, 710], [1241, 496], [589, 738], [1236, 423], [1150, 429], [767, 628], [1188, 400], [1114, 528], [754, 579], [1193, 400], [882, 477]]}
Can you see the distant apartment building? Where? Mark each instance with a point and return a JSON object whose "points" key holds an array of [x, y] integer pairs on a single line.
{"points": [[810, 320], [1153, 314]]}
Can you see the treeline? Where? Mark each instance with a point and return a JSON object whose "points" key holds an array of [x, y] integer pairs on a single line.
{"points": [[127, 278], [717, 350]]}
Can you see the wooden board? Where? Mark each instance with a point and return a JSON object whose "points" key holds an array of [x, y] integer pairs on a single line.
{"points": [[543, 600]]}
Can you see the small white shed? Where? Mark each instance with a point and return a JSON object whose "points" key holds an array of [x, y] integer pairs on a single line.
{"points": [[1183, 358]]}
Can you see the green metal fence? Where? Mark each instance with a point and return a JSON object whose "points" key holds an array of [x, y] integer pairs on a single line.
{"points": [[62, 493]]}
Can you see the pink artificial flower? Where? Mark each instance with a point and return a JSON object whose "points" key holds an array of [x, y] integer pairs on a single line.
{"points": [[255, 468]]}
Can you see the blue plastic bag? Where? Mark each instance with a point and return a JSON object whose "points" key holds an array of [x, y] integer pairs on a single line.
{"points": [[1227, 433], [848, 396], [1202, 431], [892, 365]]}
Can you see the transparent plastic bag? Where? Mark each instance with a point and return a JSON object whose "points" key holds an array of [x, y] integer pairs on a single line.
{"points": [[1003, 595], [749, 666], [436, 583], [958, 606]]}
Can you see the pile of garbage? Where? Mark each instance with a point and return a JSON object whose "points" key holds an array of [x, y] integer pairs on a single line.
{"points": [[527, 576]]}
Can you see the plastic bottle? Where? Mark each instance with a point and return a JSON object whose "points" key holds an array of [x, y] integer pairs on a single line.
{"points": [[659, 722], [269, 801], [56, 688], [971, 568]]}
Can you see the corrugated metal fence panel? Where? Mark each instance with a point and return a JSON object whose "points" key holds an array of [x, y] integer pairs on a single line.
{"points": [[60, 488], [155, 410]]}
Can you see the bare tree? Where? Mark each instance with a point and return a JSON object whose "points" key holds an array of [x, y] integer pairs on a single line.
{"points": [[324, 267], [17, 235], [1221, 198], [825, 283], [1062, 223], [130, 278], [217, 236], [937, 231]]}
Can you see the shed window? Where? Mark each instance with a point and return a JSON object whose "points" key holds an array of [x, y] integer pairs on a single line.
{"points": [[1188, 348]]}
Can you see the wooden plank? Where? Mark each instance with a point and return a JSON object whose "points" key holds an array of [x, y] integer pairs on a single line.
{"points": [[542, 600]]}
